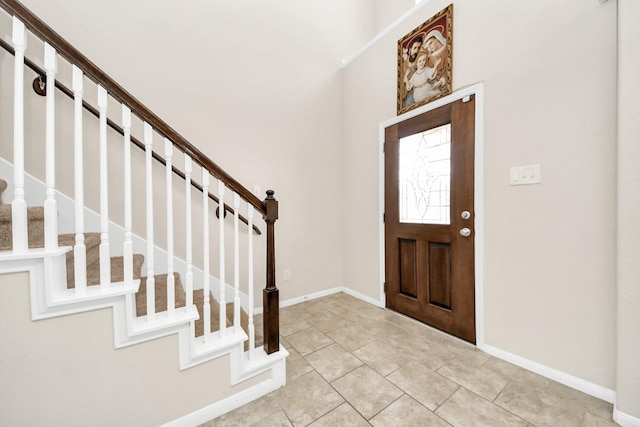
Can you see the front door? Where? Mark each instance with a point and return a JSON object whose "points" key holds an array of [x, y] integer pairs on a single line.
{"points": [[429, 218]]}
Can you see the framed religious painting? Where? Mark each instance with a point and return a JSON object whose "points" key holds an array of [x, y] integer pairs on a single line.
{"points": [[425, 62]]}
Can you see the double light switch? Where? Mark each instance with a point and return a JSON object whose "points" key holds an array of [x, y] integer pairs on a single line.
{"points": [[521, 175]]}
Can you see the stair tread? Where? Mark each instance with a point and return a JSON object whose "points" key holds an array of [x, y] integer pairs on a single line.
{"points": [[90, 239], [92, 242], [35, 227], [117, 269], [33, 213], [198, 300], [92, 251], [3, 186], [160, 285]]}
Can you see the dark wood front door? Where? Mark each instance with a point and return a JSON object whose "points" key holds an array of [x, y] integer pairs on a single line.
{"points": [[429, 218]]}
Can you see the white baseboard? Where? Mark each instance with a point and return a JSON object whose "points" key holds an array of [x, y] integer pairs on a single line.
{"points": [[362, 297], [221, 407], [309, 297], [579, 384], [298, 300], [625, 420]]}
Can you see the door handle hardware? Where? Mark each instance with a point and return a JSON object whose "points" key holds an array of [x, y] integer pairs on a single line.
{"points": [[465, 215], [465, 232]]}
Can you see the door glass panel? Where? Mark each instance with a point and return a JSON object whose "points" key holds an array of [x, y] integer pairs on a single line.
{"points": [[425, 176]]}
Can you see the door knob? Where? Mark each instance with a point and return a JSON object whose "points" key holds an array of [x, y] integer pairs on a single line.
{"points": [[465, 232]]}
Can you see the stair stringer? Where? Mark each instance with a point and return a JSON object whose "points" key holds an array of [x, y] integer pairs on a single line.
{"points": [[50, 298], [47, 280], [245, 365]]}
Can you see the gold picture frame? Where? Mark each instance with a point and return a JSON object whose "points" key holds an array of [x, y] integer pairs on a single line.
{"points": [[425, 62]]}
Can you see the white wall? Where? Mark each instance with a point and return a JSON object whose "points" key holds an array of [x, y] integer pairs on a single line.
{"points": [[550, 98], [386, 12], [628, 375], [66, 371]]}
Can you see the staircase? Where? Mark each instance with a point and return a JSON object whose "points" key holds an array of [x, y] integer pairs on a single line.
{"points": [[81, 257], [92, 242]]}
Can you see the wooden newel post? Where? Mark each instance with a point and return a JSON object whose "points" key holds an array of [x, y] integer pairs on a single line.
{"points": [[270, 299]]}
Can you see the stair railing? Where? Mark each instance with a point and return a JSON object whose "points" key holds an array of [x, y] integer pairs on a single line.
{"points": [[55, 48], [41, 88]]}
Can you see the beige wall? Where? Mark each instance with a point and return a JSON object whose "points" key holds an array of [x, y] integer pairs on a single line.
{"points": [[66, 371], [385, 12], [628, 376], [550, 98]]}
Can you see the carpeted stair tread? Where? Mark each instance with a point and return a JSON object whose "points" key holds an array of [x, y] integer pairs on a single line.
{"points": [[90, 239], [92, 246], [198, 300], [160, 294], [35, 216], [117, 270], [35, 227], [3, 186]]}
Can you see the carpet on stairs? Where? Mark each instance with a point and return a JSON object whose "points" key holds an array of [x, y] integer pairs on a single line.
{"points": [[35, 217]]}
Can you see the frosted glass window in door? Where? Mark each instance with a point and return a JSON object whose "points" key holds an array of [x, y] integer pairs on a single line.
{"points": [[425, 177]]}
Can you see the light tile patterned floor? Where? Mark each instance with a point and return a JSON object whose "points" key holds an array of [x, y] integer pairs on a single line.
{"points": [[354, 364]]}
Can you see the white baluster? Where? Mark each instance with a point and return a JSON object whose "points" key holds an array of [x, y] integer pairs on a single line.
{"points": [[236, 262], [19, 205], [80, 250], [251, 327], [151, 283], [189, 273], [127, 248], [50, 204], [171, 291], [223, 302], [105, 252], [206, 269]]}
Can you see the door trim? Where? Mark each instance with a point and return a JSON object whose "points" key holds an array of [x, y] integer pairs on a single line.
{"points": [[476, 90]]}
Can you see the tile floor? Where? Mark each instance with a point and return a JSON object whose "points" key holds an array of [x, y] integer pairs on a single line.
{"points": [[354, 364]]}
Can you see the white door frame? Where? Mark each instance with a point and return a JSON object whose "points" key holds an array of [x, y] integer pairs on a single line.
{"points": [[478, 91]]}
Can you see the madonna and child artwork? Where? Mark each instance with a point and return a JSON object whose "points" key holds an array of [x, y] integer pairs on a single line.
{"points": [[424, 62]]}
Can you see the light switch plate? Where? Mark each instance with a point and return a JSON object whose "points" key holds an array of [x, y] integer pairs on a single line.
{"points": [[524, 175]]}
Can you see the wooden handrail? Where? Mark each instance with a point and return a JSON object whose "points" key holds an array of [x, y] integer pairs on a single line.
{"points": [[71, 54]]}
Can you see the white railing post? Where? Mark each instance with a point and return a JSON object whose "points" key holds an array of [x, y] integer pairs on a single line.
{"points": [[50, 203], [236, 262], [188, 231], [79, 251], [251, 327], [205, 249], [151, 284], [20, 228], [171, 291], [222, 278], [127, 247], [105, 252]]}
